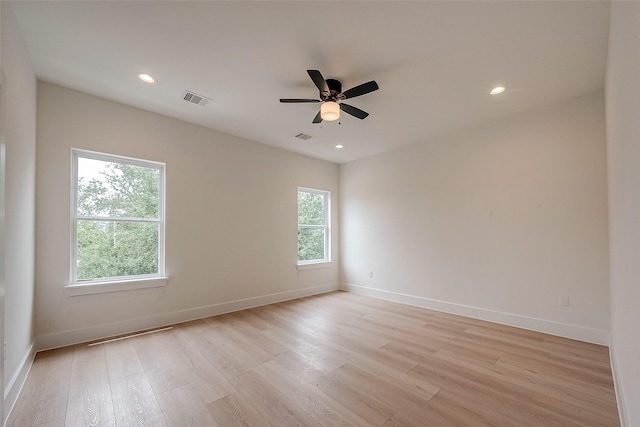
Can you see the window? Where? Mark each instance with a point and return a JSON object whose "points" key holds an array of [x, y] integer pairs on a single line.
{"points": [[118, 219], [313, 226]]}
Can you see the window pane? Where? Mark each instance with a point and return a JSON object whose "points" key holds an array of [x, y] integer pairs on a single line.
{"points": [[310, 208], [310, 244], [111, 249], [117, 190]]}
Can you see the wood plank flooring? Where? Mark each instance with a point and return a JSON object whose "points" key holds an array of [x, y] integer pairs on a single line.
{"points": [[337, 359]]}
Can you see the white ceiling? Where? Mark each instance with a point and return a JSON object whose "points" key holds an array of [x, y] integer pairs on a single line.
{"points": [[434, 62]]}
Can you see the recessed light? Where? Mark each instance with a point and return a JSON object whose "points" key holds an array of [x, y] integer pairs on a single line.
{"points": [[339, 146], [498, 90], [147, 78]]}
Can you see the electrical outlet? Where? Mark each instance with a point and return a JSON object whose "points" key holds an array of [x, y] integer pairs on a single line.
{"points": [[564, 301], [371, 275], [160, 293]]}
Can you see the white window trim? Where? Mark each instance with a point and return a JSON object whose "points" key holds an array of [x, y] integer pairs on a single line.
{"points": [[95, 287], [314, 265], [326, 262], [121, 283]]}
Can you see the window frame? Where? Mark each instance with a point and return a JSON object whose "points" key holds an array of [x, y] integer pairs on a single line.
{"points": [[304, 264], [116, 283]]}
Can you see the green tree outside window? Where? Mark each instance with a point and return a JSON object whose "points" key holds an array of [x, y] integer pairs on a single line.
{"points": [[312, 225], [118, 219]]}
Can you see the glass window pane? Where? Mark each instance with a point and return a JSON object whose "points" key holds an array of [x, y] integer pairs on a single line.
{"points": [[117, 190], [310, 208], [310, 244], [111, 249]]}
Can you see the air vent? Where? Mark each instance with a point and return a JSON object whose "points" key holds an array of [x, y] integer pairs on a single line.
{"points": [[303, 136], [196, 99]]}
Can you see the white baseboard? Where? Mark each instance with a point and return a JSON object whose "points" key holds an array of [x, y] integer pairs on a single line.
{"points": [[622, 409], [76, 336], [580, 333], [15, 384]]}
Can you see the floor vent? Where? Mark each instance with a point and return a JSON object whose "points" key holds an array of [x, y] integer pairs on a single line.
{"points": [[196, 99], [303, 136], [124, 337]]}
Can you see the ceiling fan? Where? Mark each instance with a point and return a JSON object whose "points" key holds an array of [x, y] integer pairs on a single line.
{"points": [[331, 96]]}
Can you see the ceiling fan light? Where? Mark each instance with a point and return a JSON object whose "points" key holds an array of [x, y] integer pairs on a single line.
{"points": [[330, 111]]}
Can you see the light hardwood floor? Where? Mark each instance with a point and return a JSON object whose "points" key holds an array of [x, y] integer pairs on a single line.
{"points": [[337, 359]]}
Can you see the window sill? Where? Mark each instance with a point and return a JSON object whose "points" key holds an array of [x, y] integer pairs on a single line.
{"points": [[115, 286], [312, 265]]}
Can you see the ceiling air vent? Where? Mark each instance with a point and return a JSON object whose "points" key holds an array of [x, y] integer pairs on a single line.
{"points": [[196, 99], [303, 136]]}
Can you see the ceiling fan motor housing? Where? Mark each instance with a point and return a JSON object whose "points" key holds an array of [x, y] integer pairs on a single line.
{"points": [[335, 87]]}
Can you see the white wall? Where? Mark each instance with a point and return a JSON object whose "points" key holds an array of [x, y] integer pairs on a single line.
{"points": [[20, 138], [495, 222], [623, 150], [231, 230]]}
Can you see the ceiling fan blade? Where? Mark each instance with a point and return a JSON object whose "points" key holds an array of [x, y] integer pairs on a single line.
{"points": [[356, 112], [317, 118], [320, 82], [294, 100], [362, 89]]}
